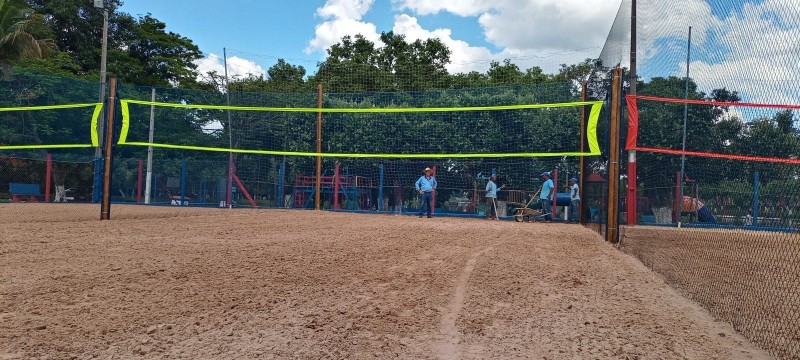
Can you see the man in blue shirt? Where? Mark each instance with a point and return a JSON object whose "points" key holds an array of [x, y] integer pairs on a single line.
{"points": [[547, 195], [426, 185]]}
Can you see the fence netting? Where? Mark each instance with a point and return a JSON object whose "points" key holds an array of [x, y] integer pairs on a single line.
{"points": [[384, 151], [719, 221]]}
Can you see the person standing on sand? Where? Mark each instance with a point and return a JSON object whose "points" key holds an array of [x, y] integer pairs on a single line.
{"points": [[547, 194], [491, 198], [426, 185], [574, 200]]}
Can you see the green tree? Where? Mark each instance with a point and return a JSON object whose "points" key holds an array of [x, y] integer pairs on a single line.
{"points": [[285, 77], [357, 64], [166, 58], [77, 29], [140, 51], [18, 35]]}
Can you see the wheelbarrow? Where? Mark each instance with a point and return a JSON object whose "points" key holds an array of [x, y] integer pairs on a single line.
{"points": [[525, 213]]}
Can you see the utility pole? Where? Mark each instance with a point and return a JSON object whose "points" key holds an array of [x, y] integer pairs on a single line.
{"points": [[679, 205], [98, 154], [230, 130], [103, 59], [630, 200]]}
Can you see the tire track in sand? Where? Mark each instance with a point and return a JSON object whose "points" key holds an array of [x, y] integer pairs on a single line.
{"points": [[450, 337]]}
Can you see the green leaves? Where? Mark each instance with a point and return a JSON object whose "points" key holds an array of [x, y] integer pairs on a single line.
{"points": [[140, 50], [21, 34]]}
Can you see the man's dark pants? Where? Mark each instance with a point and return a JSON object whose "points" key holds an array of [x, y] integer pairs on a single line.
{"points": [[425, 202], [547, 209]]}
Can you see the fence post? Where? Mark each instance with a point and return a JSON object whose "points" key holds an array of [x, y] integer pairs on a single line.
{"points": [[48, 177], [229, 186], [105, 206], [678, 199], [582, 161], [148, 183], [554, 206], [380, 192], [433, 194], [634, 79], [319, 150], [631, 197], [612, 222], [183, 182], [281, 173], [139, 183], [97, 186], [336, 185], [755, 198]]}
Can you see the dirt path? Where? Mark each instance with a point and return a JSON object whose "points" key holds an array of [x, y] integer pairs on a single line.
{"points": [[278, 284], [448, 347]]}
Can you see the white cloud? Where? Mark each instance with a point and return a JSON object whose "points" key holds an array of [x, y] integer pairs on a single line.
{"points": [[541, 40], [661, 20], [344, 9], [237, 66], [548, 24], [465, 57], [753, 50], [342, 17], [331, 32], [458, 7], [755, 54], [530, 25]]}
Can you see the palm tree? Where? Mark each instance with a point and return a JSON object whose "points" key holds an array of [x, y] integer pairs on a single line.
{"points": [[16, 42]]}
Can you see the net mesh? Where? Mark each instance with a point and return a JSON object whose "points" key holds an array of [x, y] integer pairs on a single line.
{"points": [[371, 159], [719, 222], [736, 251], [46, 145]]}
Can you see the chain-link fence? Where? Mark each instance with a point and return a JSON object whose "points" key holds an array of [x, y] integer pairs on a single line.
{"points": [[711, 200], [46, 188]]}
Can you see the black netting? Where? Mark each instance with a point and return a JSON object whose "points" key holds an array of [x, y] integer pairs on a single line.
{"points": [[719, 224]]}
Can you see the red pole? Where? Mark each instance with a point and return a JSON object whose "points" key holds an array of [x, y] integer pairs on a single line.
{"points": [[139, 184], [555, 191], [336, 187], [48, 177], [433, 194], [238, 181], [631, 198]]}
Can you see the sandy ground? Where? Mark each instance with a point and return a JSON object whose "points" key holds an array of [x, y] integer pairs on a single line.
{"points": [[749, 278], [72, 212], [280, 284]]}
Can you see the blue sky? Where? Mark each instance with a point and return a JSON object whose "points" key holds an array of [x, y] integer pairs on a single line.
{"points": [[259, 32], [268, 30], [744, 45], [253, 25], [273, 27]]}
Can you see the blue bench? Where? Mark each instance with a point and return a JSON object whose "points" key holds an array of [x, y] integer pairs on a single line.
{"points": [[24, 192]]}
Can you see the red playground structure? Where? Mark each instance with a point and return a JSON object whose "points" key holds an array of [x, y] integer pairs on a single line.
{"points": [[348, 192]]}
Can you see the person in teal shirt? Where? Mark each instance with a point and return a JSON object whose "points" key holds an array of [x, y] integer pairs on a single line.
{"points": [[426, 185], [547, 194]]}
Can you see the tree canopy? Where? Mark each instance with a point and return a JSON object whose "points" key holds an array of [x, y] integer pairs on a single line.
{"points": [[22, 35]]}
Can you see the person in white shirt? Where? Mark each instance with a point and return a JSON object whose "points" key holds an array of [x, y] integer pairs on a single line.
{"points": [[491, 198], [575, 200]]}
